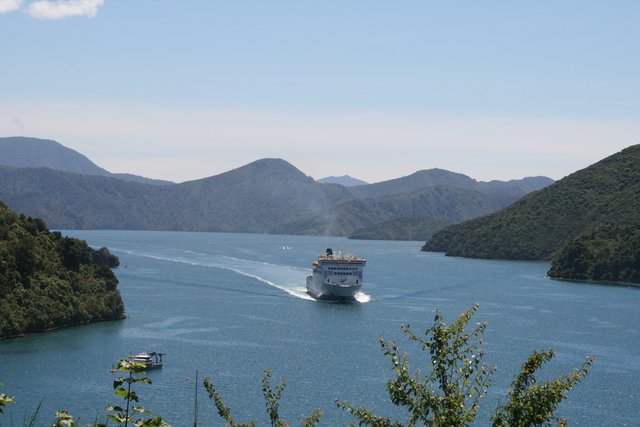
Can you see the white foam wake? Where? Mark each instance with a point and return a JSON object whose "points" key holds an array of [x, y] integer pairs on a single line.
{"points": [[286, 278], [289, 279]]}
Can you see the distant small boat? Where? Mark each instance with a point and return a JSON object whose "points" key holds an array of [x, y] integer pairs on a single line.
{"points": [[151, 360]]}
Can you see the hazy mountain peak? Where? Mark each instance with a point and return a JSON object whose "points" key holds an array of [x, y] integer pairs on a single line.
{"points": [[20, 151], [28, 152], [272, 165], [267, 168], [344, 180]]}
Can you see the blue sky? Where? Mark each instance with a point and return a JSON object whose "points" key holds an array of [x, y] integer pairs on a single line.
{"points": [[181, 90]]}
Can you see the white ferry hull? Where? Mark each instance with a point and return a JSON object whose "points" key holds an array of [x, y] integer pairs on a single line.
{"points": [[336, 277], [332, 291]]}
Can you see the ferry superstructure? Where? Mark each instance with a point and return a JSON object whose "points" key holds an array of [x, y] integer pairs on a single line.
{"points": [[337, 276]]}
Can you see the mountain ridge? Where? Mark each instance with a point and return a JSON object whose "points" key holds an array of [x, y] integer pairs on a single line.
{"points": [[265, 196], [541, 223], [22, 151]]}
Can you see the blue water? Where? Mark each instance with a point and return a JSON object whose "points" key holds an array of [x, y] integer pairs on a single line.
{"points": [[232, 305]]}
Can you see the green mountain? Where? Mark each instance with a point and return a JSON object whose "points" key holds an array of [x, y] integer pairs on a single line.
{"points": [[402, 229], [443, 178], [24, 152], [448, 204], [266, 196], [448, 198], [608, 253], [71, 201], [49, 281], [543, 222]]}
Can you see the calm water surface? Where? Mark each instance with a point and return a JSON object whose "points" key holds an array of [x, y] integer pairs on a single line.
{"points": [[232, 305]]}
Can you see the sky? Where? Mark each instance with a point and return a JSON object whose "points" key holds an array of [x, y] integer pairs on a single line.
{"points": [[182, 90]]}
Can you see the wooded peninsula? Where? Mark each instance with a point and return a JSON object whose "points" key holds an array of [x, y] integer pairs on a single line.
{"points": [[48, 281]]}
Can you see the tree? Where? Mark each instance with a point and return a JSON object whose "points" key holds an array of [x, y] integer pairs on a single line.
{"points": [[4, 401], [457, 379], [272, 399], [535, 404], [122, 388], [49, 281]]}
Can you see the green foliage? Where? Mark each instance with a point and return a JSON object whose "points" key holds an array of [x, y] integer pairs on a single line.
{"points": [[133, 415], [272, 398], [103, 257], [5, 400], [129, 415], [533, 403], [64, 419], [456, 379], [446, 394], [541, 223], [49, 281], [609, 253]]}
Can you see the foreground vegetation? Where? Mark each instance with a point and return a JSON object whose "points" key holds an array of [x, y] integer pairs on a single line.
{"points": [[446, 392], [48, 281]]}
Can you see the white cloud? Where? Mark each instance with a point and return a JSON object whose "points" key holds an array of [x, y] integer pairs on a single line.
{"points": [[46, 9], [9, 5]]}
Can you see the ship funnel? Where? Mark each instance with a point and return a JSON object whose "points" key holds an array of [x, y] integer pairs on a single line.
{"points": [[329, 251]]}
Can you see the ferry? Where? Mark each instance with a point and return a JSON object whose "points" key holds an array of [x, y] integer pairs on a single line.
{"points": [[337, 276]]}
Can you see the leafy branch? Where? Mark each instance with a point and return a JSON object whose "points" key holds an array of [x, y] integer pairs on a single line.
{"points": [[122, 388], [272, 402]]}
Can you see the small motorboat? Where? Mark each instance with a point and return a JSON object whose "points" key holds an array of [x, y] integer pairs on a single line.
{"points": [[152, 360]]}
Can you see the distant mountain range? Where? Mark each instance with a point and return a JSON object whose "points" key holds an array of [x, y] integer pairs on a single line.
{"points": [[265, 196], [344, 180], [588, 223], [23, 152]]}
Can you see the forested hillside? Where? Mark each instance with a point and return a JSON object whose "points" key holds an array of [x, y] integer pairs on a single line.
{"points": [[265, 196], [541, 223], [448, 204], [402, 229], [607, 254], [49, 281]]}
